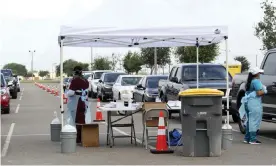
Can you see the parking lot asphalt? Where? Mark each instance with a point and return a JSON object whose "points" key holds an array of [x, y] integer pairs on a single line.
{"points": [[25, 139]]}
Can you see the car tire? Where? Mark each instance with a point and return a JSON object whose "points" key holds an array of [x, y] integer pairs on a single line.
{"points": [[98, 94], [18, 90], [102, 97], [89, 93], [163, 98], [143, 99], [119, 96], [7, 110], [235, 117], [242, 127], [14, 95], [93, 95]]}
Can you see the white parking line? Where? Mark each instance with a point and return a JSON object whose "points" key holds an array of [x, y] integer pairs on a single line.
{"points": [[20, 98], [17, 108], [23, 90], [8, 140]]}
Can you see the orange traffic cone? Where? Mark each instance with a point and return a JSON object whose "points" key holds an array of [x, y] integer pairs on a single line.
{"points": [[99, 115], [161, 144], [53, 91], [65, 99], [56, 94], [48, 89]]}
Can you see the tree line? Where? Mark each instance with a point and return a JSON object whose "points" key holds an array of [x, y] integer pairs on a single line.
{"points": [[21, 70]]}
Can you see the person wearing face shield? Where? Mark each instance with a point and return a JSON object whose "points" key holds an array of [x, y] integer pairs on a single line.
{"points": [[77, 100], [252, 104]]}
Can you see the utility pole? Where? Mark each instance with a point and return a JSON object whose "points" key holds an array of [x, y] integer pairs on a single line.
{"points": [[114, 61], [155, 61], [32, 62], [91, 58]]}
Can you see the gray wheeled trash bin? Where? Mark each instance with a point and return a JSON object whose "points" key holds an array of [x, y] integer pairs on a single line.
{"points": [[201, 118]]}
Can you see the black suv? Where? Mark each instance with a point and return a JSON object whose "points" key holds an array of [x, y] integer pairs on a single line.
{"points": [[106, 82]]}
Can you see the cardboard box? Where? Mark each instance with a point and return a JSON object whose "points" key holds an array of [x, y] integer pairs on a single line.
{"points": [[90, 135]]}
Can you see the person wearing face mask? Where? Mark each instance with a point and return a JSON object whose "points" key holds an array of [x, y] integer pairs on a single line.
{"points": [[77, 100], [253, 105]]}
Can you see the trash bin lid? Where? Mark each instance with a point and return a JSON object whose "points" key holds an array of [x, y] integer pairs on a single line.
{"points": [[201, 92]]}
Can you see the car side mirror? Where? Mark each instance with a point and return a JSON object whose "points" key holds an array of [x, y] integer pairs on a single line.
{"points": [[20, 79], [174, 79], [100, 81], [139, 86]]}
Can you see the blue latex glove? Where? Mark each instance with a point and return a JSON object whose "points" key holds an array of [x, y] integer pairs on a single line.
{"points": [[264, 89]]}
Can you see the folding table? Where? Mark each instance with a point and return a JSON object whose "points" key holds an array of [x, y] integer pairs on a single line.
{"points": [[123, 112]]}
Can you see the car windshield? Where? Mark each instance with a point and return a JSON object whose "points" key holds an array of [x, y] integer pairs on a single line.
{"points": [[152, 82], [111, 77], [128, 81], [8, 79], [97, 75], [86, 76], [205, 73], [6, 73]]}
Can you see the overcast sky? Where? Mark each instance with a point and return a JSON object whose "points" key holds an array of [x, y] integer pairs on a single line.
{"points": [[34, 24]]}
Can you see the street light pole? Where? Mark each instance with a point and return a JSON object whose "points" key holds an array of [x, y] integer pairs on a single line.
{"points": [[91, 59], [32, 63]]}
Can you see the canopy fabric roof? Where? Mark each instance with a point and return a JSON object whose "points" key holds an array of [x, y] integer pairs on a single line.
{"points": [[141, 37]]}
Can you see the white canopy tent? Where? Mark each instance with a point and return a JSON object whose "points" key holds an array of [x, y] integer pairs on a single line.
{"points": [[142, 37]]}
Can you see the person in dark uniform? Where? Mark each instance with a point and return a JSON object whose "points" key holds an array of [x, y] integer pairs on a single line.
{"points": [[76, 106]]}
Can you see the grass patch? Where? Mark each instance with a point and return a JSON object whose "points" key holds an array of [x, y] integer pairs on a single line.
{"points": [[40, 81]]}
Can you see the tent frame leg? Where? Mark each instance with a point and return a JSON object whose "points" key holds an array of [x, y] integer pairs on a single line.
{"points": [[227, 78], [61, 81], [197, 64]]}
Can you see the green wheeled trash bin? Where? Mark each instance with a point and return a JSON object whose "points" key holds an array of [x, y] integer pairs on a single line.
{"points": [[201, 118]]}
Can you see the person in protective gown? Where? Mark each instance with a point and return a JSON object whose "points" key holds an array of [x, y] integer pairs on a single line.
{"points": [[77, 100], [251, 106]]}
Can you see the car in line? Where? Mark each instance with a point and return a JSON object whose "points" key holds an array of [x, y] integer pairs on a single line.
{"points": [[125, 84], [5, 96], [94, 80], [147, 89], [18, 83], [106, 82], [184, 76], [11, 82], [268, 78]]}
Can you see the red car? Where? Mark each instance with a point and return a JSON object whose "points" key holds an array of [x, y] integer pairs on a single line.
{"points": [[5, 96]]}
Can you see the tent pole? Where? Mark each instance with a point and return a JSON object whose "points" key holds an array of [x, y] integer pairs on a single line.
{"points": [[227, 79], [197, 68], [61, 81], [155, 60]]}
